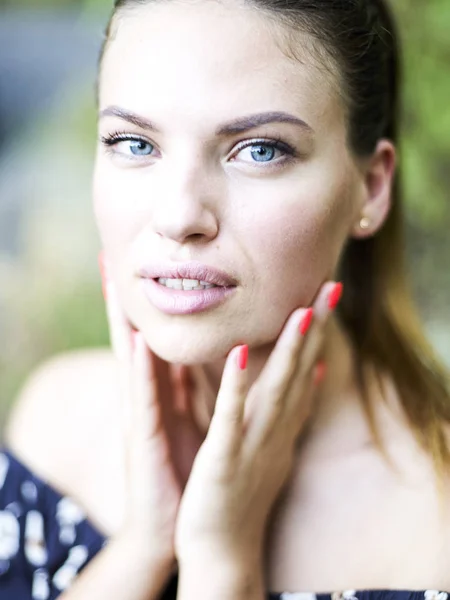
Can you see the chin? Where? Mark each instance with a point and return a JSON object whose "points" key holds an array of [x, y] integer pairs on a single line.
{"points": [[188, 349]]}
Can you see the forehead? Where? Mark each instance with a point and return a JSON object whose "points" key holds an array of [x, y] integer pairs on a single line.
{"points": [[207, 61]]}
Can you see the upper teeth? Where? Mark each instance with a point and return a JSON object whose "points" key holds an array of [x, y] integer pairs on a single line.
{"points": [[185, 284]]}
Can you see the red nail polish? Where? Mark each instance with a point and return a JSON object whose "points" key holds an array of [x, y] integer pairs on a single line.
{"points": [[335, 296], [101, 264], [305, 323], [243, 357], [319, 372]]}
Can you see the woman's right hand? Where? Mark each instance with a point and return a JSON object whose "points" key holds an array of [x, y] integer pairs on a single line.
{"points": [[152, 487]]}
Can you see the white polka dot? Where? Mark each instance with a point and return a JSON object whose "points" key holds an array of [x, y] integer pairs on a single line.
{"points": [[67, 511], [68, 515], [67, 535], [63, 578], [15, 508], [41, 587], [9, 535], [29, 492], [78, 555], [34, 547]]}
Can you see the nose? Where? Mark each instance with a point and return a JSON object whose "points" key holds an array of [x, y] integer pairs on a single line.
{"points": [[186, 209]]}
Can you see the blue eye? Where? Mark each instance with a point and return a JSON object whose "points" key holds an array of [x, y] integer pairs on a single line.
{"points": [[263, 152], [259, 151], [140, 148], [130, 146]]}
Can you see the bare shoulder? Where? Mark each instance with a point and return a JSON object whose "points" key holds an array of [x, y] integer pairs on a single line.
{"points": [[60, 402], [65, 424]]}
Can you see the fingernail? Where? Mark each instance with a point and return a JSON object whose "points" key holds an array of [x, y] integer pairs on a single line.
{"points": [[305, 323], [335, 296], [319, 372], [101, 264], [243, 357]]}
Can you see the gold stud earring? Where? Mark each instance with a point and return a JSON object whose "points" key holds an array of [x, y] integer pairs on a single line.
{"points": [[364, 223]]}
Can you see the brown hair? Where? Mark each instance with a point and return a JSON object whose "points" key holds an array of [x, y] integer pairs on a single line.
{"points": [[377, 310]]}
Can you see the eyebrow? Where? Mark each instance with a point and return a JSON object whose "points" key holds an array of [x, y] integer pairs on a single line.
{"points": [[234, 127]]}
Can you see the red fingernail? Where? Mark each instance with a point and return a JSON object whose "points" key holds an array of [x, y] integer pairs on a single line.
{"points": [[101, 264], [319, 372], [305, 323], [243, 357], [335, 296]]}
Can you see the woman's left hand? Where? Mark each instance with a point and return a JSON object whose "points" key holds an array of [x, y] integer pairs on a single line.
{"points": [[248, 452]]}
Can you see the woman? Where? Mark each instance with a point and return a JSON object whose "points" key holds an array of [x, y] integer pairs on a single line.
{"points": [[246, 199]]}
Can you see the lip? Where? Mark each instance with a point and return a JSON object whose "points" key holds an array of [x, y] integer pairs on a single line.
{"points": [[183, 302], [189, 270]]}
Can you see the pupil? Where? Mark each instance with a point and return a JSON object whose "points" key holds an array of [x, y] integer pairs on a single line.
{"points": [[139, 147], [263, 152]]}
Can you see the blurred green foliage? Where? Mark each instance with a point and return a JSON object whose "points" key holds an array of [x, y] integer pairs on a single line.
{"points": [[426, 124]]}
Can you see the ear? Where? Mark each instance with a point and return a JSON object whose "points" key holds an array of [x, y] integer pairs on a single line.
{"points": [[378, 173]]}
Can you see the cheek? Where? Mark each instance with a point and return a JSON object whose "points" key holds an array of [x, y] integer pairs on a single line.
{"points": [[291, 251], [297, 243]]}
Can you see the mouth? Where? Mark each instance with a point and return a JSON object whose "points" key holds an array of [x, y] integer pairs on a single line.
{"points": [[184, 296], [187, 285], [187, 276]]}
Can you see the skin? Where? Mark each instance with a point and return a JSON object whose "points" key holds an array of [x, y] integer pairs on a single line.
{"points": [[279, 228], [243, 461]]}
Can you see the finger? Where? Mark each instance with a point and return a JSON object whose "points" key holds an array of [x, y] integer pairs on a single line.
{"points": [[119, 328], [324, 305], [122, 341], [147, 444], [296, 403], [312, 347], [146, 413], [320, 372], [226, 429], [267, 396], [277, 395], [122, 345]]}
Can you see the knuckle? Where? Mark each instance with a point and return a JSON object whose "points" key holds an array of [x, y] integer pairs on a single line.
{"points": [[230, 415], [277, 411], [275, 390]]}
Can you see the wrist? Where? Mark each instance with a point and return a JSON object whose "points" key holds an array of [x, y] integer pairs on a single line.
{"points": [[222, 552], [215, 568], [145, 550], [220, 577]]}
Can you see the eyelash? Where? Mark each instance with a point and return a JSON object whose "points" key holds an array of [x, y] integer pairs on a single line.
{"points": [[277, 143]]}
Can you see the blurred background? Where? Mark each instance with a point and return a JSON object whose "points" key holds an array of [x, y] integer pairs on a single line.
{"points": [[50, 291]]}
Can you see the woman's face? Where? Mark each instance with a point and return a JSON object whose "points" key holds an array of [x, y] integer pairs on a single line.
{"points": [[270, 204]]}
